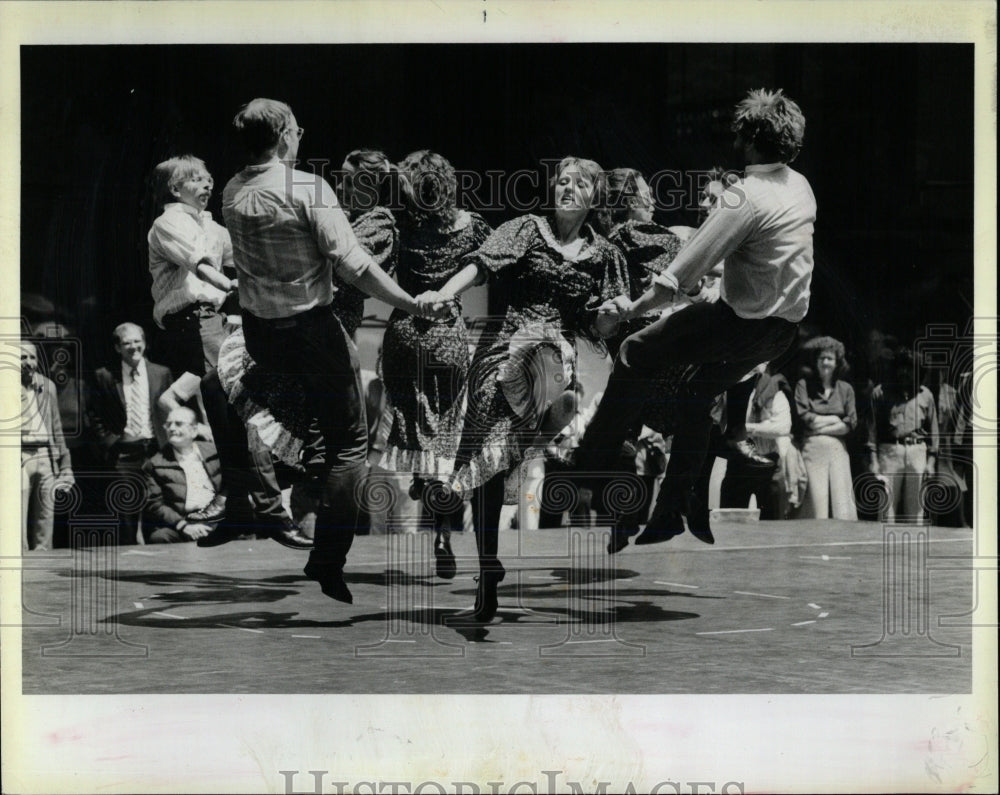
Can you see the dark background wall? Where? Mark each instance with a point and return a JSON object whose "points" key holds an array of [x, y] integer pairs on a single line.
{"points": [[888, 147]]}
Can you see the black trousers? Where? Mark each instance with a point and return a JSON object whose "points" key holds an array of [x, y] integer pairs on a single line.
{"points": [[314, 349], [711, 336], [191, 339]]}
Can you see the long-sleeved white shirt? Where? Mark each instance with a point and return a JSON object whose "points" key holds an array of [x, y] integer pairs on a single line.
{"points": [[762, 227]]}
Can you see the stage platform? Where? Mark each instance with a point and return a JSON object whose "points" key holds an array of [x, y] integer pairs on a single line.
{"points": [[773, 607]]}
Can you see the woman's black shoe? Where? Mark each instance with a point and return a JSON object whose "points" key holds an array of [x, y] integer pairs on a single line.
{"points": [[486, 594], [444, 559]]}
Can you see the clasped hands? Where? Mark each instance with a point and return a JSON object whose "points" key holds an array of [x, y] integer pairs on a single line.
{"points": [[619, 307], [432, 305]]}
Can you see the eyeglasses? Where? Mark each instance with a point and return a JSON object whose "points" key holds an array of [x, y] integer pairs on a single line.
{"points": [[299, 131]]}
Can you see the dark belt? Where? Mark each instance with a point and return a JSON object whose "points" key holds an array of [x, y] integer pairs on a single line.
{"points": [[302, 318], [201, 309], [34, 445], [908, 440]]}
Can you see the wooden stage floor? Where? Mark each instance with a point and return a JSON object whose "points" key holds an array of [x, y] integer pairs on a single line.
{"points": [[821, 607]]}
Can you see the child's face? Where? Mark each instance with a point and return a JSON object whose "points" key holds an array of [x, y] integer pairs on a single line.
{"points": [[195, 190]]}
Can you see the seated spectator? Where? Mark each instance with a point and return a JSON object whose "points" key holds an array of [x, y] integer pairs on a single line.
{"points": [[902, 436], [183, 481], [45, 459], [826, 407], [769, 427]]}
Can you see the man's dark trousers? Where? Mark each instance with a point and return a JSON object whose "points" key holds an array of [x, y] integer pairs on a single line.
{"points": [[313, 348], [724, 347]]}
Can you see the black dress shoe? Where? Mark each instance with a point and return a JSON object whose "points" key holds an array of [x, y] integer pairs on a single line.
{"points": [[662, 526], [697, 518], [289, 534], [445, 559], [331, 582]]}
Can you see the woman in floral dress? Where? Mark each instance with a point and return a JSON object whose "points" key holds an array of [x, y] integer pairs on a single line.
{"points": [[553, 271], [424, 362]]}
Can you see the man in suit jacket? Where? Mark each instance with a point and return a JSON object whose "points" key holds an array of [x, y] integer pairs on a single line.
{"points": [[45, 460], [184, 499], [126, 417]]}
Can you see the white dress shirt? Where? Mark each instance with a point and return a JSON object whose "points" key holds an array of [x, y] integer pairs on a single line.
{"points": [[181, 238]]}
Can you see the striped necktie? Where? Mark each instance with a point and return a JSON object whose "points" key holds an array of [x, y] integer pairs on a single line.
{"points": [[137, 407]]}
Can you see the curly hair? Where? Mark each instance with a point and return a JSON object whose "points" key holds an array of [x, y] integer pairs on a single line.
{"points": [[171, 173], [370, 183], [621, 194], [817, 346], [772, 122], [429, 189], [592, 171]]}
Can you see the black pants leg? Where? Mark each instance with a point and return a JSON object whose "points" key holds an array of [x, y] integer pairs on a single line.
{"points": [[314, 349], [487, 502]]}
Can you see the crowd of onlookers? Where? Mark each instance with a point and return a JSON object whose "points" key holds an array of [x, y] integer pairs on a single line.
{"points": [[889, 440]]}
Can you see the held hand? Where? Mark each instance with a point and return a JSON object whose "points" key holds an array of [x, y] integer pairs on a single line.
{"points": [[64, 482], [426, 303], [931, 467], [196, 531]]}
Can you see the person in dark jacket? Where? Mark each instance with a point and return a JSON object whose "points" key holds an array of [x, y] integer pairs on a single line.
{"points": [[124, 411], [184, 484]]}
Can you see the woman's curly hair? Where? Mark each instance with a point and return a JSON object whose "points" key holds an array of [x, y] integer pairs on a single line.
{"points": [[429, 189], [817, 346], [772, 122], [621, 194], [372, 182]]}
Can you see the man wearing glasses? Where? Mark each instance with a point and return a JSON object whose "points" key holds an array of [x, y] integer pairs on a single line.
{"points": [[289, 237]]}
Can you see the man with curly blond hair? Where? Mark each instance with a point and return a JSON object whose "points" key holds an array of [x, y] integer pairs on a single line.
{"points": [[762, 226]]}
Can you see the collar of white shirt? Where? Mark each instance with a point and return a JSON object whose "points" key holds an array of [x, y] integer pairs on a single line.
{"points": [[181, 207], [140, 370], [763, 168]]}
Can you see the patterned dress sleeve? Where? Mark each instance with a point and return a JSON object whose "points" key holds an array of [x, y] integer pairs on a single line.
{"points": [[612, 281], [376, 232], [506, 246], [480, 230]]}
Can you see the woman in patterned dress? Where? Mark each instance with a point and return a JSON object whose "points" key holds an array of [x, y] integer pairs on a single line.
{"points": [[553, 271], [424, 362], [270, 405]]}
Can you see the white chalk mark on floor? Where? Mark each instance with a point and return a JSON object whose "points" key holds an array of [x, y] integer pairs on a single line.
{"points": [[765, 595], [305, 636], [138, 605], [167, 615], [803, 623], [734, 631], [815, 606], [139, 552], [247, 629], [823, 557], [675, 584], [823, 615], [601, 640], [880, 542]]}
